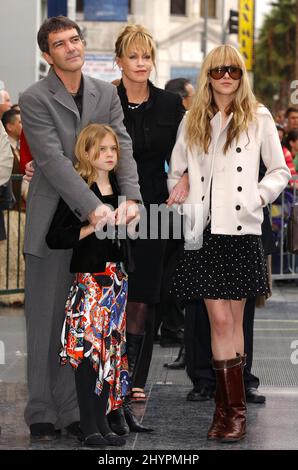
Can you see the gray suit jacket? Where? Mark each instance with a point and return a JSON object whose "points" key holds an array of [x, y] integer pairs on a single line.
{"points": [[51, 124]]}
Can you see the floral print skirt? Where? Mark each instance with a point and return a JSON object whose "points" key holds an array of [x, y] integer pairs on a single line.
{"points": [[95, 326]]}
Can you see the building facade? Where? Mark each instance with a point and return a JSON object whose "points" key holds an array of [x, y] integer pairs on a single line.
{"points": [[177, 27]]}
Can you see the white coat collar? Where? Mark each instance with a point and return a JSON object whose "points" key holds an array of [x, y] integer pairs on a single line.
{"points": [[216, 122]]}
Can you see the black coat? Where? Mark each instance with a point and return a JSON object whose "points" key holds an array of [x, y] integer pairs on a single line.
{"points": [[153, 128]]}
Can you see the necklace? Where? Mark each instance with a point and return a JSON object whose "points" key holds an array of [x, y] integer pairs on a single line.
{"points": [[134, 106], [137, 105]]}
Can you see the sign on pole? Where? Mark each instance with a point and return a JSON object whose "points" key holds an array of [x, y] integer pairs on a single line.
{"points": [[246, 31]]}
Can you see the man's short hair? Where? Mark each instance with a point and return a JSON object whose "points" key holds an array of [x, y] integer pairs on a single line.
{"points": [[177, 85], [52, 25], [9, 117], [290, 110]]}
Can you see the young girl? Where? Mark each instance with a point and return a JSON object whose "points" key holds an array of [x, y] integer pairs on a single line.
{"points": [[93, 334], [221, 141]]}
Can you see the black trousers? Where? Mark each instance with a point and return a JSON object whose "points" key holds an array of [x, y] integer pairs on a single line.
{"points": [[198, 344]]}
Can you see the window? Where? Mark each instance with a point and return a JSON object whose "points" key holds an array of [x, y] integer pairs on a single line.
{"points": [[211, 8], [178, 7], [80, 6]]}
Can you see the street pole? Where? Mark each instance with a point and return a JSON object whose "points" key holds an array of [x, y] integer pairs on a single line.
{"points": [[71, 9], [223, 20], [205, 32]]}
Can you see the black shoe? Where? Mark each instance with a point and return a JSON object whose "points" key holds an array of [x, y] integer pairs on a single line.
{"points": [[131, 419], [114, 440], [254, 396], [42, 432], [179, 362], [200, 394], [117, 422], [74, 429], [94, 440]]}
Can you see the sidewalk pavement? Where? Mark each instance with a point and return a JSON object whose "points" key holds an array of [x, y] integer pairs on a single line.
{"points": [[178, 424]]}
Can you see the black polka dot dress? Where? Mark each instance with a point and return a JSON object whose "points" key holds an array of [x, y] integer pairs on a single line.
{"points": [[226, 267]]}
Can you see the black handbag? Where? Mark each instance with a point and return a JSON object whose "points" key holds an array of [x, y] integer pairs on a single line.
{"points": [[293, 230], [7, 199]]}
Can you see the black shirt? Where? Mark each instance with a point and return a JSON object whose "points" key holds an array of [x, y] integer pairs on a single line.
{"points": [[89, 254]]}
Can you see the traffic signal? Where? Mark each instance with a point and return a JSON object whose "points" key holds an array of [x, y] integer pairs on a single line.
{"points": [[233, 22]]}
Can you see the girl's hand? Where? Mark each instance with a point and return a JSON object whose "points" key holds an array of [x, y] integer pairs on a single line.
{"points": [[180, 191]]}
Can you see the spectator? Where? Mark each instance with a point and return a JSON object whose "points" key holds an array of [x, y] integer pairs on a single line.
{"points": [[5, 102], [182, 87], [291, 119]]}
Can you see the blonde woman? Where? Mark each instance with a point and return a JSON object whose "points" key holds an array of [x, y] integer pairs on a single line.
{"points": [[220, 143], [151, 117]]}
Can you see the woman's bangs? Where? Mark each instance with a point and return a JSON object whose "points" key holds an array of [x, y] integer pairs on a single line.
{"points": [[225, 56], [138, 43]]}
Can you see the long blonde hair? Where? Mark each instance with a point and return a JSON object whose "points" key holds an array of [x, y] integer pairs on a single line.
{"points": [[203, 109], [135, 35], [88, 144]]}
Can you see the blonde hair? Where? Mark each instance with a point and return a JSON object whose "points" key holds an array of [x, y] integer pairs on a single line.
{"points": [[243, 106], [135, 35], [88, 143]]}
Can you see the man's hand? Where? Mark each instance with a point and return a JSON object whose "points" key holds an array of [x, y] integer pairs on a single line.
{"points": [[29, 171], [179, 192], [127, 212], [101, 216]]}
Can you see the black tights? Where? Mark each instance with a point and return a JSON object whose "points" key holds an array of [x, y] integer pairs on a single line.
{"points": [[141, 373], [136, 314], [93, 407], [140, 320]]}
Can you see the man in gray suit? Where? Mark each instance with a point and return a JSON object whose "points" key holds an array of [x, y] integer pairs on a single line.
{"points": [[54, 110]]}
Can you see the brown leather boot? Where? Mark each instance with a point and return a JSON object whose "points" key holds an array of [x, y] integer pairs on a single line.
{"points": [[231, 379], [217, 427]]}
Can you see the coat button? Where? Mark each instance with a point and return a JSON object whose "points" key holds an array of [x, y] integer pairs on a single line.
{"points": [[202, 179], [238, 149], [239, 189], [203, 197], [239, 168], [239, 228], [238, 207]]}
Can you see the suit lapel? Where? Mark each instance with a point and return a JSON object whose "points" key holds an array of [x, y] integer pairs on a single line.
{"points": [[90, 99], [60, 94]]}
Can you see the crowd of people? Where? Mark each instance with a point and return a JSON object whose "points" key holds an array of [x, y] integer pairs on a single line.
{"points": [[99, 157]]}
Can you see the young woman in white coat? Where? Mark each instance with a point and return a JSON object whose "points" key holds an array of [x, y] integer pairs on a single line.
{"points": [[220, 143]]}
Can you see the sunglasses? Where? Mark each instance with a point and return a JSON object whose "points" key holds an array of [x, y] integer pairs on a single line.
{"points": [[219, 72]]}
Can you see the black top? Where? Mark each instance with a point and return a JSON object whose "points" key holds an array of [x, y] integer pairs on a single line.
{"points": [[152, 127], [89, 254]]}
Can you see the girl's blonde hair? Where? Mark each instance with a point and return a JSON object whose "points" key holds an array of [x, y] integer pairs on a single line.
{"points": [[243, 106], [135, 35], [88, 144]]}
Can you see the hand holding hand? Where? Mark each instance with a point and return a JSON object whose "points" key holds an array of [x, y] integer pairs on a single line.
{"points": [[179, 192]]}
